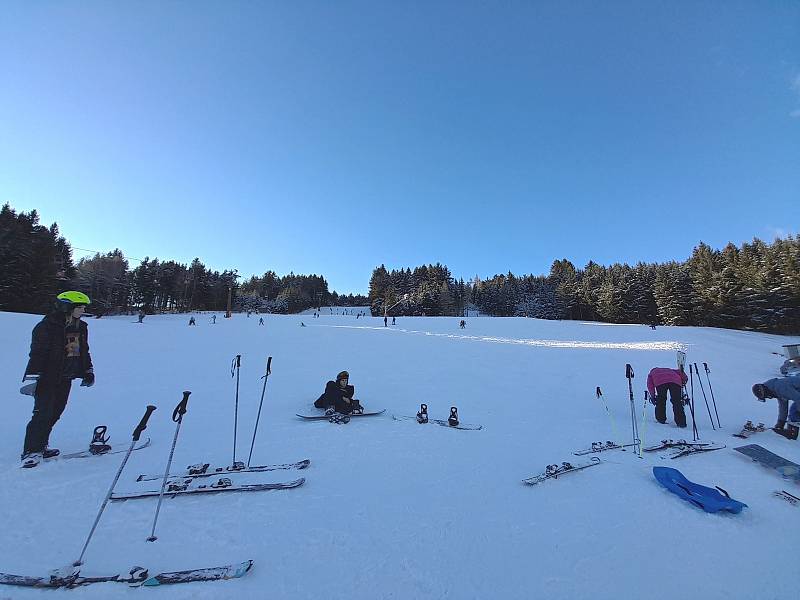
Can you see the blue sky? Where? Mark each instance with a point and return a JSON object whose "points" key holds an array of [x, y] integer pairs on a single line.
{"points": [[331, 137]]}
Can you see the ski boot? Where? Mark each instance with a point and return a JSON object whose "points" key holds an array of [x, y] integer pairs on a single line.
{"points": [[99, 443], [422, 415], [452, 420], [50, 452], [31, 459]]}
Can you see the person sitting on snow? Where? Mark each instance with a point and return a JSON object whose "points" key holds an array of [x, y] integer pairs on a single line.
{"points": [[783, 389], [659, 382], [338, 396]]}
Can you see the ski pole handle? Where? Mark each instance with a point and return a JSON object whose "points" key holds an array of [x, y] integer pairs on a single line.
{"points": [[180, 410], [629, 371], [598, 392], [269, 365], [143, 423], [238, 360], [705, 366]]}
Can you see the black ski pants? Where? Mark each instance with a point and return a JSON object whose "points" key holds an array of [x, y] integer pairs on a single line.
{"points": [[49, 402], [677, 403]]}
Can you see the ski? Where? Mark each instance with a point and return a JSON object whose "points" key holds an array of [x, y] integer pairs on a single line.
{"points": [[205, 470], [210, 574], [602, 447], [665, 444], [784, 495], [137, 576], [88, 454], [442, 422], [694, 449], [681, 360], [749, 429], [553, 471], [223, 485], [337, 417]]}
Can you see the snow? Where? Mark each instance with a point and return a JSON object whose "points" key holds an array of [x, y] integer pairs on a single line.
{"points": [[392, 509]]}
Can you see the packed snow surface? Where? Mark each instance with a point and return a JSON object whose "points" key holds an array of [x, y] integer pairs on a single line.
{"points": [[393, 509]]}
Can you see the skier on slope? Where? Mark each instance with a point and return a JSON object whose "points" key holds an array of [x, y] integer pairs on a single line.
{"points": [[192, 321], [783, 389], [338, 396], [659, 382], [59, 353]]}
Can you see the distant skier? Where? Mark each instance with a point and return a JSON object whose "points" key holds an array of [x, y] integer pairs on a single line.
{"points": [[213, 319], [260, 320], [385, 321], [338, 396], [249, 312], [659, 382], [783, 389], [141, 316], [463, 324], [59, 353], [393, 321], [192, 321]]}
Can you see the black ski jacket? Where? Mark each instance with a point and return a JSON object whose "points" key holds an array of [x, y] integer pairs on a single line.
{"points": [[334, 394], [48, 349]]}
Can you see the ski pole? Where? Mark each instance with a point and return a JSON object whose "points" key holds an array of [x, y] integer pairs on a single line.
{"points": [[136, 433], [702, 387], [637, 443], [258, 416], [235, 364], [691, 403], [644, 423], [599, 394], [177, 417], [714, 400]]}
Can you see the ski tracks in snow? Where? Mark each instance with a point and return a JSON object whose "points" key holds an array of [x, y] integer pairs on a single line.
{"points": [[539, 343]]}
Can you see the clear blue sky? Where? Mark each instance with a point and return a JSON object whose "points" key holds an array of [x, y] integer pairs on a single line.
{"points": [[330, 137]]}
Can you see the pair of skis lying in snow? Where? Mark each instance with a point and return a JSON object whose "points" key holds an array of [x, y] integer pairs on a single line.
{"points": [[137, 576], [682, 447]]}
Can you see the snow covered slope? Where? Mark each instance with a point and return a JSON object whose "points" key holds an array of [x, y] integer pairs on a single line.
{"points": [[393, 509]]}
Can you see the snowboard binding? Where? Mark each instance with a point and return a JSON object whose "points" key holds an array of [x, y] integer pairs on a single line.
{"points": [[422, 415], [339, 419], [99, 443], [754, 428], [330, 411], [452, 420], [357, 408]]}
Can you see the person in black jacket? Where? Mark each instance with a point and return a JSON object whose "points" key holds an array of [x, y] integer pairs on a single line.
{"points": [[59, 353], [338, 396]]}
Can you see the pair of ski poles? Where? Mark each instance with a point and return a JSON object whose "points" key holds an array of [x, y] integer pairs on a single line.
{"points": [[235, 367], [713, 399], [637, 442]]}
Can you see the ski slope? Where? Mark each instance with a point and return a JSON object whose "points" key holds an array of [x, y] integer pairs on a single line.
{"points": [[392, 509]]}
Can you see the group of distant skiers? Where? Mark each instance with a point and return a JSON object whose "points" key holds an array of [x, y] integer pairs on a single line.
{"points": [[59, 354]]}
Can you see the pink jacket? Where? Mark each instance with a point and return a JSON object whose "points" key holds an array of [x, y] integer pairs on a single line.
{"points": [[660, 376]]}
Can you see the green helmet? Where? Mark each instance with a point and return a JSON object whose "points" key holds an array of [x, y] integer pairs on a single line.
{"points": [[71, 299]]}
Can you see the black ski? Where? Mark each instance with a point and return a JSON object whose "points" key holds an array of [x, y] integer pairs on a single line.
{"points": [[554, 471], [784, 495], [694, 449], [665, 444], [137, 576], [223, 485], [602, 447], [442, 422], [87, 453], [205, 470]]}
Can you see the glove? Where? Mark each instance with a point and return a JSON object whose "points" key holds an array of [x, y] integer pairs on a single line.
{"points": [[88, 379], [29, 389]]}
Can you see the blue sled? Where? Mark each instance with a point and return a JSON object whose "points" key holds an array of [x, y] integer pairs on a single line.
{"points": [[709, 499]]}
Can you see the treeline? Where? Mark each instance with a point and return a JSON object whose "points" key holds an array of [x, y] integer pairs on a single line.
{"points": [[755, 286], [36, 264]]}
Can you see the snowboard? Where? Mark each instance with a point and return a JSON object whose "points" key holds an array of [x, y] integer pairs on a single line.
{"points": [[442, 422], [87, 454], [324, 417], [749, 429], [771, 460], [709, 499]]}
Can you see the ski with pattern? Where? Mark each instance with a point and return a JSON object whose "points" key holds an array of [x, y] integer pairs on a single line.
{"points": [[201, 470], [692, 449], [602, 447], [223, 485], [554, 471], [666, 444], [137, 576]]}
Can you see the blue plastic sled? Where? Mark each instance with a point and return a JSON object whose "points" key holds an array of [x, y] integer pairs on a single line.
{"points": [[709, 499]]}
